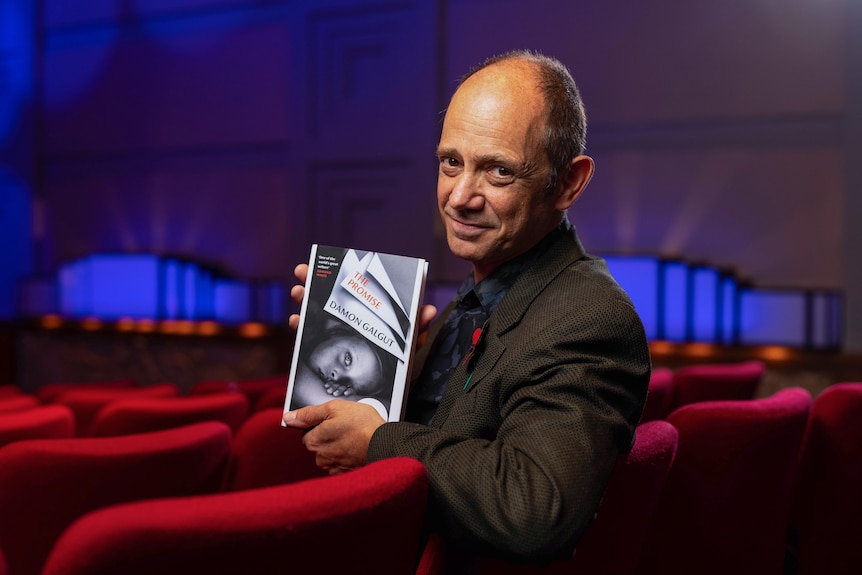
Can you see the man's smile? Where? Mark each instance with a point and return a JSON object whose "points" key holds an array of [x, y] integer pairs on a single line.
{"points": [[464, 228]]}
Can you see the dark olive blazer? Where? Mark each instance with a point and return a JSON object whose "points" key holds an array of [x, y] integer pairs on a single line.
{"points": [[518, 456]]}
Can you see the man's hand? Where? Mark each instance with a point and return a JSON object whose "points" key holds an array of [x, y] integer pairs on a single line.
{"points": [[340, 434], [297, 292]]}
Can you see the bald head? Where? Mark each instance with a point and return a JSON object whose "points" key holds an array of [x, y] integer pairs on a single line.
{"points": [[565, 119]]}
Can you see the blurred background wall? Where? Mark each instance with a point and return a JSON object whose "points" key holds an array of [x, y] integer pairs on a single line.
{"points": [[237, 132]]}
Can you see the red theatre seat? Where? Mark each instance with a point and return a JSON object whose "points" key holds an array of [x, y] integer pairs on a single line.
{"points": [[6, 390], [47, 484], [433, 558], [45, 422], [155, 413], [369, 519], [264, 453], [716, 382], [49, 392], [828, 501], [86, 403], [629, 503], [659, 395], [726, 505], [273, 397], [612, 545], [17, 402], [254, 389]]}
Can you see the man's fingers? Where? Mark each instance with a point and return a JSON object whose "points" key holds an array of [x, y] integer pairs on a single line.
{"points": [[340, 432], [322, 462], [426, 314], [297, 292], [305, 417]]}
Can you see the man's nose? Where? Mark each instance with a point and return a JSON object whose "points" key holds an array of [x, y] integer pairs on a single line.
{"points": [[465, 194]]}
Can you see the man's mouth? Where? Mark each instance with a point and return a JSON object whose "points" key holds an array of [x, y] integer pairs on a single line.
{"points": [[465, 228]]}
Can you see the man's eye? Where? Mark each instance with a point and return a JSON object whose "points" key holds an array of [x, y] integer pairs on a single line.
{"points": [[348, 359], [501, 175]]}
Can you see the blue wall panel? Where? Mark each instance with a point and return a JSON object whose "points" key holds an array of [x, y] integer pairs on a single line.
{"points": [[772, 317]]}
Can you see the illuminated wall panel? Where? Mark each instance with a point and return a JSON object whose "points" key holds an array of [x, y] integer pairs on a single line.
{"points": [[826, 325], [269, 301], [125, 285], [232, 301], [674, 316], [729, 310], [174, 302], [675, 300], [74, 288], [198, 286], [772, 317], [705, 304], [639, 276]]}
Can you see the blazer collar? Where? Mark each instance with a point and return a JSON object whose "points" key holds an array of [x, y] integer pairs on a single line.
{"points": [[563, 251]]}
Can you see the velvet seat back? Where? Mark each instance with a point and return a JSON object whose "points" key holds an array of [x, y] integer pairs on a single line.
{"points": [[144, 414], [254, 389], [46, 484], [725, 507], [659, 395], [716, 382], [828, 502], [612, 544], [49, 392], [42, 422], [264, 453], [86, 402], [18, 402], [366, 520]]}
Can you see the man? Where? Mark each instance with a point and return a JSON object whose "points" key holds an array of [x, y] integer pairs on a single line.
{"points": [[542, 374]]}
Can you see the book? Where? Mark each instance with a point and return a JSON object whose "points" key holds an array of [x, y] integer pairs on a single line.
{"points": [[357, 329]]}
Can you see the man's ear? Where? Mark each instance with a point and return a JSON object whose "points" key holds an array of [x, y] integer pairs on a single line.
{"points": [[577, 177]]}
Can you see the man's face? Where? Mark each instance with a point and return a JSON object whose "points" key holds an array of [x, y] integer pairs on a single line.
{"points": [[348, 361], [493, 168]]}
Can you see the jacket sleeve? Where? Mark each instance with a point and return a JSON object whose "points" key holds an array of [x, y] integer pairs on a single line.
{"points": [[519, 465]]}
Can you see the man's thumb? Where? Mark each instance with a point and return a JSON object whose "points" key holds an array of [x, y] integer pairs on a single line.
{"points": [[301, 418]]}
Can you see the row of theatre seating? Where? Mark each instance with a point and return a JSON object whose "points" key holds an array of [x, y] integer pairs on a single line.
{"points": [[757, 484], [122, 407], [718, 481]]}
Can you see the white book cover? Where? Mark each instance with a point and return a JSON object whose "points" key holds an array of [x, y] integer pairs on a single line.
{"points": [[357, 329]]}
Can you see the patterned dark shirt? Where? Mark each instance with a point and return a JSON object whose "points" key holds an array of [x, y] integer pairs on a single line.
{"points": [[475, 303]]}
